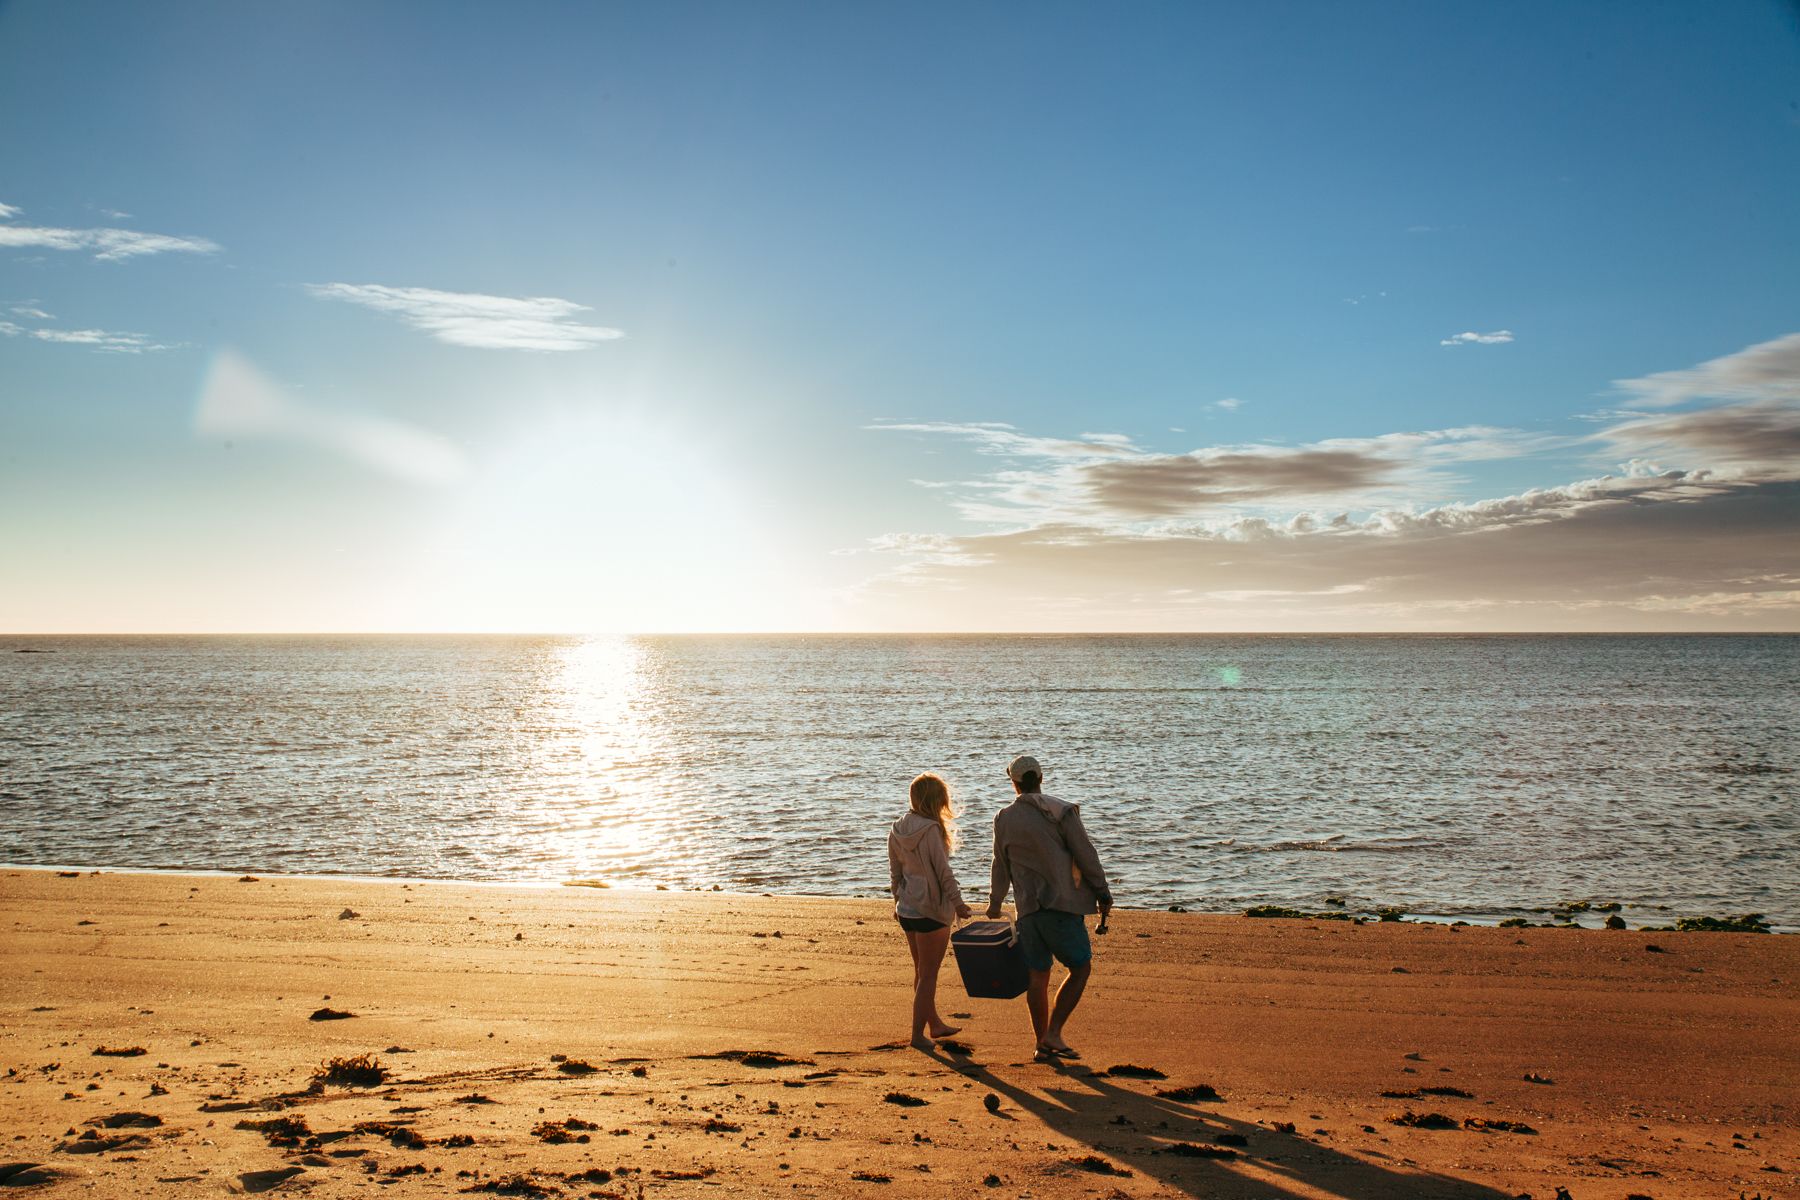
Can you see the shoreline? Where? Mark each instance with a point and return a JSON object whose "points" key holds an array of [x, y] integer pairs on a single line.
{"points": [[1368, 913], [1314, 1034]]}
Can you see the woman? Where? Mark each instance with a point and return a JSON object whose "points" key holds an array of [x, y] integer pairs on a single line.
{"points": [[926, 898]]}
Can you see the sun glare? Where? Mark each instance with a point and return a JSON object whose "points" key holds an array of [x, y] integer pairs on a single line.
{"points": [[612, 524]]}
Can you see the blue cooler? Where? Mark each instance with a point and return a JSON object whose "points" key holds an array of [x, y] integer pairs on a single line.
{"points": [[987, 954]]}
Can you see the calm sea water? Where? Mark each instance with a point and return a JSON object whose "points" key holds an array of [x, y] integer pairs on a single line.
{"points": [[1479, 776]]}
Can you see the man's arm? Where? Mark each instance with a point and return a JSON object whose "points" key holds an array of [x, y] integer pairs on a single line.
{"points": [[999, 881], [1081, 849]]}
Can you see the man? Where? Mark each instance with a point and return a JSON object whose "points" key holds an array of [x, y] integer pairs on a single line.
{"points": [[1042, 853]]}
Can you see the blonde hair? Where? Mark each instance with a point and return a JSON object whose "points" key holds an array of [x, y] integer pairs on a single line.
{"points": [[930, 797]]}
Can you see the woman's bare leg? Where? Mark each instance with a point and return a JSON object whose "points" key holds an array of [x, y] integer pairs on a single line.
{"points": [[930, 957]]}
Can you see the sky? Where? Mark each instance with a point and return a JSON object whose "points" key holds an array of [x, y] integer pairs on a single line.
{"points": [[928, 317]]}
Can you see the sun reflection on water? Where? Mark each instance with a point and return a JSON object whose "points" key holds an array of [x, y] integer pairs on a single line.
{"points": [[594, 742]]}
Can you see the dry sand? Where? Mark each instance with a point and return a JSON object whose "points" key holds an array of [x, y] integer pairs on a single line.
{"points": [[1663, 1074]]}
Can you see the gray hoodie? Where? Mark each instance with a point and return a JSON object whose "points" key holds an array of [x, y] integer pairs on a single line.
{"points": [[1042, 851], [919, 870]]}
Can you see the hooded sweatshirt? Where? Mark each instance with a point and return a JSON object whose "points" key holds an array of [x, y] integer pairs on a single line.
{"points": [[919, 870], [1042, 851]]}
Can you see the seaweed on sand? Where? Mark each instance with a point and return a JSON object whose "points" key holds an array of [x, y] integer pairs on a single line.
{"points": [[362, 1070]]}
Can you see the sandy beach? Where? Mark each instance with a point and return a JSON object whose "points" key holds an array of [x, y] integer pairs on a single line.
{"points": [[610, 1043]]}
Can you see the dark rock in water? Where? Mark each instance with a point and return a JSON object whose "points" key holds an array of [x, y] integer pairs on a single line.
{"points": [[1615, 922], [1748, 923]]}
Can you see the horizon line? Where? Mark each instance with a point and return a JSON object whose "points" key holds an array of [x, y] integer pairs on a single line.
{"points": [[908, 633]]}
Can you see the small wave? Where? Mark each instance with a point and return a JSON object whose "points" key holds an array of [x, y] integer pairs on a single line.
{"points": [[1338, 844]]}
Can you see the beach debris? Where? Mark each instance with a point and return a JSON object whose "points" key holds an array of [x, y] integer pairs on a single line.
{"points": [[571, 1129], [1447, 1091], [1399, 971], [361, 1070], [474, 1098], [1282, 1126], [1494, 1125], [1653, 948], [92, 1141], [68, 874], [330, 1014], [1534, 1077], [1190, 1093], [991, 1102], [1429, 1120], [280, 1131], [1096, 1165], [594, 883], [904, 1100], [715, 1125], [248, 879], [1295, 914], [1133, 1071], [25, 1174], [349, 914], [1190, 1150], [514, 1185], [701, 1173], [870, 1177], [992, 1181], [119, 1051], [955, 1048], [760, 1059], [573, 1066], [127, 1120], [262, 1181], [1231, 1139], [1389, 913], [402, 1136]]}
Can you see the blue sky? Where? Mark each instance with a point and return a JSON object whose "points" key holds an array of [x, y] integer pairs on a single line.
{"points": [[840, 245]]}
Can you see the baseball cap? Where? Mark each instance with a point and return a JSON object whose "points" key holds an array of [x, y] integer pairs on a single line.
{"points": [[1018, 767]]}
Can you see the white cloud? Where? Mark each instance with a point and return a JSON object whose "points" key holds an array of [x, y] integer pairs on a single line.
{"points": [[239, 401], [1482, 339], [95, 339], [473, 319], [36, 314], [1231, 537], [1766, 371], [1107, 480], [1228, 404], [108, 245]]}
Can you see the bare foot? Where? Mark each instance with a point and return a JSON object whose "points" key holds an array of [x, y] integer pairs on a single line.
{"points": [[921, 1042], [941, 1030]]}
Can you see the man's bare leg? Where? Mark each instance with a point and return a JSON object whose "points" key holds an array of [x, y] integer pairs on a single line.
{"points": [[1067, 997], [1037, 999]]}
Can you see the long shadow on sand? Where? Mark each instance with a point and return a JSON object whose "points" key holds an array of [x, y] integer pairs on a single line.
{"points": [[1144, 1133]]}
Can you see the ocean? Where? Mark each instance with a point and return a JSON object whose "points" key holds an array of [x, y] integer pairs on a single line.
{"points": [[1478, 777]]}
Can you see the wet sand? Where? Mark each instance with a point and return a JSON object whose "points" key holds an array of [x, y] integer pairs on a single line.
{"points": [[608, 1043]]}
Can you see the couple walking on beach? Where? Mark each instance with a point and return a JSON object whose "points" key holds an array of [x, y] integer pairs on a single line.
{"points": [[1042, 854]]}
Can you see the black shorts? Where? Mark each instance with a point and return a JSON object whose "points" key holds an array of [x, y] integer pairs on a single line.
{"points": [[919, 924]]}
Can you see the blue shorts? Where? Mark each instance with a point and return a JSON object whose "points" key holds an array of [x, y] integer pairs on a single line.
{"points": [[1050, 933]]}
